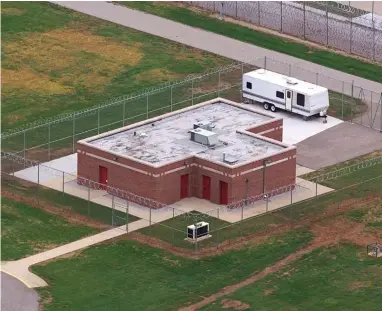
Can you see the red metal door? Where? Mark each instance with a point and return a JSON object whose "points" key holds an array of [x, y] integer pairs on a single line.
{"points": [[223, 193], [103, 175], [206, 187], [184, 186]]}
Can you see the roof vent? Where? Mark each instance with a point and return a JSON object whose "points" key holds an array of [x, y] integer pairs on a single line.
{"points": [[261, 71], [291, 81], [229, 159]]}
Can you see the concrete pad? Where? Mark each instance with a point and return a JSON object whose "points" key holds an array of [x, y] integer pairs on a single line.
{"points": [[337, 144], [295, 129], [302, 170]]}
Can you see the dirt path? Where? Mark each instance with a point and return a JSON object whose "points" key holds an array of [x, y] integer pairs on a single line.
{"points": [[330, 232], [57, 210]]}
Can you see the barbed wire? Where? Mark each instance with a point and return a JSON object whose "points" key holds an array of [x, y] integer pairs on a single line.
{"points": [[347, 170], [117, 100]]}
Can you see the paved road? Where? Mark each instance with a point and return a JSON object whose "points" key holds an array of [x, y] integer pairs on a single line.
{"points": [[15, 296], [204, 40], [233, 49], [337, 144]]}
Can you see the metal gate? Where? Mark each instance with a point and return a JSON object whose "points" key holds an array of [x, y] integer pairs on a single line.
{"points": [[120, 214]]}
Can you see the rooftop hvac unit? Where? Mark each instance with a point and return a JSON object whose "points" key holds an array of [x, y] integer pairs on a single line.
{"points": [[291, 81], [199, 230], [204, 137], [204, 125]]}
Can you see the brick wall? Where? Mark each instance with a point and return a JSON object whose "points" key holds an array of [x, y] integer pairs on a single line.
{"points": [[273, 129]]}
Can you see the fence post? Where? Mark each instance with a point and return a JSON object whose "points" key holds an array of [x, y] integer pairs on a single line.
{"points": [[258, 11], [372, 20], [150, 216], [173, 212], [236, 8], [38, 183], [316, 78], [316, 187], [127, 216], [147, 106], [192, 92], [342, 99], [98, 121], [265, 62], [351, 33], [74, 130], [291, 203], [352, 89], [112, 210], [171, 97], [218, 213], [88, 200], [63, 183], [304, 20], [242, 212], [219, 84], [123, 113], [380, 112], [24, 146], [327, 25], [281, 11]]}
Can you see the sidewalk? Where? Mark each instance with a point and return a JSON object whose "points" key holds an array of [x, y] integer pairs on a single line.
{"points": [[204, 40], [20, 268]]}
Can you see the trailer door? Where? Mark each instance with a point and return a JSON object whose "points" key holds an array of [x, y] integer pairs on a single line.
{"points": [[288, 100]]}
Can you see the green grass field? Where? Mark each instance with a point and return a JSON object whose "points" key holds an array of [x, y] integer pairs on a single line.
{"points": [[26, 230], [55, 60], [128, 275], [222, 231], [265, 40], [342, 277], [74, 205]]}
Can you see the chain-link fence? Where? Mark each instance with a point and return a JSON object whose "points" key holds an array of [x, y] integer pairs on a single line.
{"points": [[328, 23], [50, 139], [107, 206]]}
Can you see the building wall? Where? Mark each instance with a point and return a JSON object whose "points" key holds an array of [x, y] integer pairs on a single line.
{"points": [[163, 184], [272, 129]]}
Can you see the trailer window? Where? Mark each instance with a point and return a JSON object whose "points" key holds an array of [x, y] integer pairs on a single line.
{"points": [[300, 99], [280, 95], [249, 85]]}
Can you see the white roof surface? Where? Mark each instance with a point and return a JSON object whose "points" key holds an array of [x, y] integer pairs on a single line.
{"points": [[279, 79], [169, 138]]}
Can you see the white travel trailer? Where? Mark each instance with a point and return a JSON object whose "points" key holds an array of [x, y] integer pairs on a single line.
{"points": [[276, 91]]}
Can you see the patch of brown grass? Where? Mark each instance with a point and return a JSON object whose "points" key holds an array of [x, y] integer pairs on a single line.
{"points": [[11, 11], [76, 57], [26, 79], [159, 74], [234, 304], [357, 285]]}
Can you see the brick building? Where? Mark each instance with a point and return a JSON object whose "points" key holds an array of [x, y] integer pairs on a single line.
{"points": [[218, 150]]}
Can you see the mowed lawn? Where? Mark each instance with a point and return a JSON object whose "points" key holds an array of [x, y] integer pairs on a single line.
{"points": [[55, 60], [341, 277], [127, 275], [357, 185], [26, 230]]}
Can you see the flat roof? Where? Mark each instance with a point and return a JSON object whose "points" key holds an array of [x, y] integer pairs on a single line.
{"points": [[279, 79], [166, 139]]}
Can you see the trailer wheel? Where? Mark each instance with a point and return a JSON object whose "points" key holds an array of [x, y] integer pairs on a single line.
{"points": [[266, 106], [273, 108]]}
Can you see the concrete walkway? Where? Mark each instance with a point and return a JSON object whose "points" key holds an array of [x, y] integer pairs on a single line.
{"points": [[207, 41], [19, 269]]}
